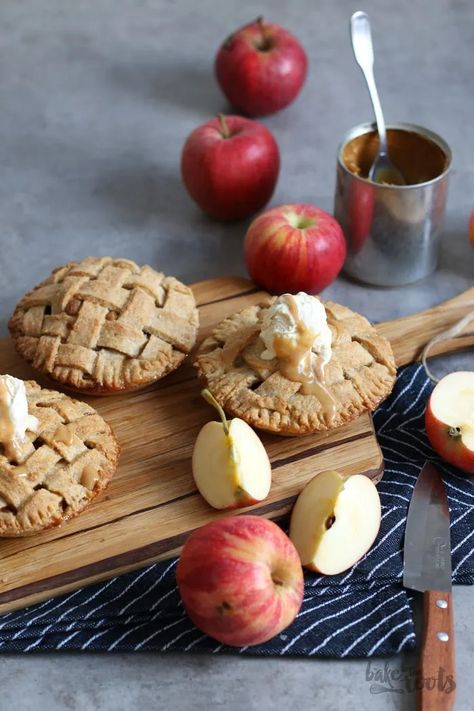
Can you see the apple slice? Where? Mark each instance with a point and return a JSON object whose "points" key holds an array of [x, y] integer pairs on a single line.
{"points": [[230, 464], [449, 419], [334, 521]]}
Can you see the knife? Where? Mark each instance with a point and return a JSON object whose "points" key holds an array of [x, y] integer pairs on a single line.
{"points": [[427, 568]]}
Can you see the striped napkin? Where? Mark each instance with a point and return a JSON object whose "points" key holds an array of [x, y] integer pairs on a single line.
{"points": [[360, 613]]}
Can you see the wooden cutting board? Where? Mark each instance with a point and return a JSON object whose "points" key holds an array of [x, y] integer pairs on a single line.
{"points": [[152, 504]]}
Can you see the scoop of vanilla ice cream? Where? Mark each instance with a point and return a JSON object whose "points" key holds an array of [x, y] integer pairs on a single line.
{"points": [[279, 320], [14, 416]]}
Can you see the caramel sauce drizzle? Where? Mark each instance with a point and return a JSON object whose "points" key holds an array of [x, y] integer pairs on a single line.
{"points": [[297, 362], [7, 430], [337, 326]]}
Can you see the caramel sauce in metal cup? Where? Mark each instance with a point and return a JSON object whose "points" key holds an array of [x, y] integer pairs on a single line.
{"points": [[392, 231]]}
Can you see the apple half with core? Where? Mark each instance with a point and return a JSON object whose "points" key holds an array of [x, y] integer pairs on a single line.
{"points": [[230, 166], [449, 420], [240, 579], [261, 68], [294, 248], [230, 464], [335, 521]]}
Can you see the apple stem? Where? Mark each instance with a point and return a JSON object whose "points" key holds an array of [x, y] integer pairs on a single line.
{"points": [[265, 42], [224, 126], [209, 398], [277, 580]]}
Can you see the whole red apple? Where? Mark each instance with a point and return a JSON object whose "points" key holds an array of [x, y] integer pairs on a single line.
{"points": [[294, 248], [449, 419], [261, 68], [230, 166], [240, 579]]}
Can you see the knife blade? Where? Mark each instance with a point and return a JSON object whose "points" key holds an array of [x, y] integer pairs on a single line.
{"points": [[427, 569], [427, 555]]}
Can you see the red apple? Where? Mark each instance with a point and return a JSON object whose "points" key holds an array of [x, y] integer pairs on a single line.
{"points": [[449, 419], [294, 248], [361, 212], [261, 68], [240, 579], [230, 166]]}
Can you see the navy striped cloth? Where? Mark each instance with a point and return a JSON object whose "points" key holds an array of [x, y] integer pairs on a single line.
{"points": [[360, 613]]}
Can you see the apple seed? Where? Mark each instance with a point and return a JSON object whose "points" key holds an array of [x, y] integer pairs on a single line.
{"points": [[329, 522]]}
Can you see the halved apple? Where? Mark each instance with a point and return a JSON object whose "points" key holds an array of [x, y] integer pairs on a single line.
{"points": [[230, 464], [449, 419], [335, 521]]}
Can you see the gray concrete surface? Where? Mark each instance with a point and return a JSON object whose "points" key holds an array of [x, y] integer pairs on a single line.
{"points": [[97, 97]]}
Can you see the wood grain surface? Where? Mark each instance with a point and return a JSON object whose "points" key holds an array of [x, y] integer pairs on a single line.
{"points": [[152, 504], [437, 664]]}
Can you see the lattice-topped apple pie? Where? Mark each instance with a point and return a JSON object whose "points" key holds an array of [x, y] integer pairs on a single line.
{"points": [[296, 365], [106, 325], [56, 455]]}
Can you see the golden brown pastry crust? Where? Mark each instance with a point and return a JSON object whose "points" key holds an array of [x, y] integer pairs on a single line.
{"points": [[360, 374], [105, 325], [62, 466]]}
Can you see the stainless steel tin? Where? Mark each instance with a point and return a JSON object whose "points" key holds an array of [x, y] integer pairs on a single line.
{"points": [[392, 231]]}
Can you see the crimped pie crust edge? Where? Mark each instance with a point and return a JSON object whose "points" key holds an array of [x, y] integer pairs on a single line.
{"points": [[104, 325], [59, 477], [272, 403]]}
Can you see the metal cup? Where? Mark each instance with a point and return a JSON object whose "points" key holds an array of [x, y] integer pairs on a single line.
{"points": [[392, 231]]}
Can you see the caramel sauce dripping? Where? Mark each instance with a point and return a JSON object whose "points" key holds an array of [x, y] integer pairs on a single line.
{"points": [[338, 328], [64, 434], [89, 476], [297, 362], [7, 430]]}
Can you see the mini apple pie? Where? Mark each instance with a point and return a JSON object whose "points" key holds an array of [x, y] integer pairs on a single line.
{"points": [[56, 455], [296, 365], [106, 325]]}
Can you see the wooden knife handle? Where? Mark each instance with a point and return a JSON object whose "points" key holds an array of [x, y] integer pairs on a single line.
{"points": [[410, 334], [437, 672]]}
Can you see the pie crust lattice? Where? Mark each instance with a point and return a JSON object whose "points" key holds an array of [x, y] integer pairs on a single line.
{"points": [[106, 325], [360, 374], [61, 467]]}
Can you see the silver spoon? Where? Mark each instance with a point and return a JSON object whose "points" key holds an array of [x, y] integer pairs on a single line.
{"points": [[382, 170]]}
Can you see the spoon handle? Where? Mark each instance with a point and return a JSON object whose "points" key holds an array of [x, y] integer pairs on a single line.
{"points": [[361, 38]]}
